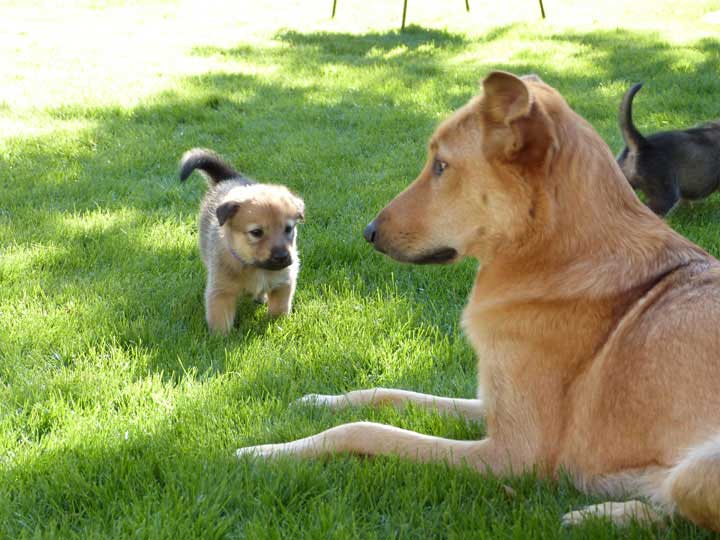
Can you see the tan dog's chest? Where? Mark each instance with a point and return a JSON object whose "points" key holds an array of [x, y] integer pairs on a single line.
{"points": [[530, 357]]}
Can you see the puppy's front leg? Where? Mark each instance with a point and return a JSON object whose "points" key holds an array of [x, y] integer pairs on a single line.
{"points": [[220, 306], [468, 408], [372, 439], [280, 300]]}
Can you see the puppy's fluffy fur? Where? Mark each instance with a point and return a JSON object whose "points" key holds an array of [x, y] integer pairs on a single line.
{"points": [[669, 165], [247, 239]]}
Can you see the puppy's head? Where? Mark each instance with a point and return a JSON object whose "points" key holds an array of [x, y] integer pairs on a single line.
{"points": [[478, 188], [258, 222]]}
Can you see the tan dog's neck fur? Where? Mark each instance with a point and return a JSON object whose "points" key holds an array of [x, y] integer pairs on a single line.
{"points": [[612, 218]]}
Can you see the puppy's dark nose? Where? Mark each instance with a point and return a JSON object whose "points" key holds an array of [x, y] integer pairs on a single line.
{"points": [[279, 256], [370, 232]]}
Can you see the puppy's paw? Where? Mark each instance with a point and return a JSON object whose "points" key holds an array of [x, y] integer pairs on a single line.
{"points": [[261, 298]]}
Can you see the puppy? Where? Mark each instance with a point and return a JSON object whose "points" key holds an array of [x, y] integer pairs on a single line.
{"points": [[247, 239], [669, 165]]}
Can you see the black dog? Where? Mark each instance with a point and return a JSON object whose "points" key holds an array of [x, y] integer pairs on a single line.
{"points": [[669, 165]]}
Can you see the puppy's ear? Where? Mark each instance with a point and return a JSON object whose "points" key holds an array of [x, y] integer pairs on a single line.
{"points": [[226, 210], [519, 129], [300, 205]]}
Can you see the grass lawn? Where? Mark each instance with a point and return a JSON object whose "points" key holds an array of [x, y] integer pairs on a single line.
{"points": [[119, 414]]}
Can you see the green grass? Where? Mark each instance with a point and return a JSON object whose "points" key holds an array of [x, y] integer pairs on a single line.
{"points": [[119, 414]]}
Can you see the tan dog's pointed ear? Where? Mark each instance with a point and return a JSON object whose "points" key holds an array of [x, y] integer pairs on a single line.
{"points": [[520, 131], [507, 97]]}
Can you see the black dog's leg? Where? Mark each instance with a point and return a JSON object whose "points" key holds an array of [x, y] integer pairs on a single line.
{"points": [[662, 199]]}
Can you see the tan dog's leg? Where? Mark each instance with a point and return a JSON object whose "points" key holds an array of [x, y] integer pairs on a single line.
{"points": [[469, 408], [371, 439], [220, 306], [280, 300], [693, 485], [620, 513]]}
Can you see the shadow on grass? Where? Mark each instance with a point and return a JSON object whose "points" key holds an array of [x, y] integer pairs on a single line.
{"points": [[166, 482], [167, 479]]}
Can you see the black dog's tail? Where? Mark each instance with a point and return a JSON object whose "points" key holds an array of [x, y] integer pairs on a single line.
{"points": [[214, 167], [633, 138]]}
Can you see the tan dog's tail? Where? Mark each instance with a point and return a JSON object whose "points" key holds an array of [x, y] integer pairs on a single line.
{"points": [[632, 137], [693, 485], [215, 168]]}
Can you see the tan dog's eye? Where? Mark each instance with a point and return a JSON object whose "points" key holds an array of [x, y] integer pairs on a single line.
{"points": [[439, 167], [288, 229], [256, 233]]}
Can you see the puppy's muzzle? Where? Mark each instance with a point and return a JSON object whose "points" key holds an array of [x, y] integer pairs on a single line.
{"points": [[279, 258]]}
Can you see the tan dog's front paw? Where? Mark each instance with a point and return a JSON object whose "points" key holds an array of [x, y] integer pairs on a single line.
{"points": [[261, 451], [573, 518], [317, 400], [619, 513]]}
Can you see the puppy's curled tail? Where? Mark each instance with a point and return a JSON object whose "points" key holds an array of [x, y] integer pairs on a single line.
{"points": [[633, 138], [214, 167], [693, 485]]}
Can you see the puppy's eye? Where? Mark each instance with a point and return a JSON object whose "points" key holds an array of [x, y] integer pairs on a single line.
{"points": [[288, 229], [256, 233], [439, 167]]}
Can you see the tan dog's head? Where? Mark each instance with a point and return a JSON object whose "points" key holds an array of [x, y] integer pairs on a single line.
{"points": [[259, 224], [502, 171], [473, 194]]}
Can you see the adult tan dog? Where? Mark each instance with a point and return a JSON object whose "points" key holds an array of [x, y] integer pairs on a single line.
{"points": [[595, 324]]}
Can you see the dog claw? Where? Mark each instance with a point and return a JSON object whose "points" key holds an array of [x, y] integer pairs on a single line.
{"points": [[247, 451], [571, 519], [314, 399], [619, 513], [261, 451]]}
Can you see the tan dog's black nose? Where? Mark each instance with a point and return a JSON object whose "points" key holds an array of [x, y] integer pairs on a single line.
{"points": [[370, 232]]}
